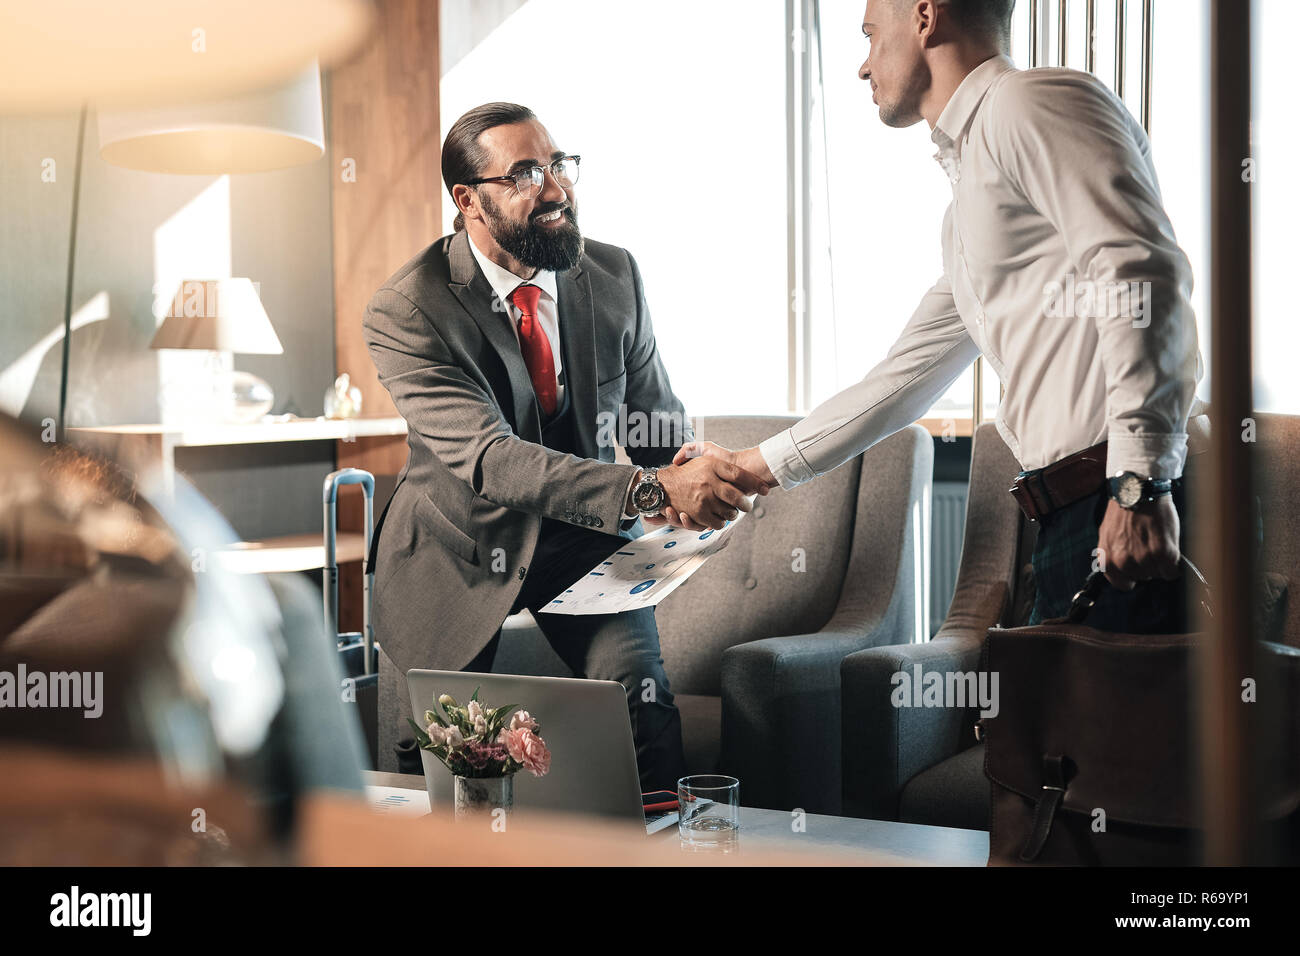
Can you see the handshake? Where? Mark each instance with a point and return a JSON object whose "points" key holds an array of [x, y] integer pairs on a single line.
{"points": [[708, 485]]}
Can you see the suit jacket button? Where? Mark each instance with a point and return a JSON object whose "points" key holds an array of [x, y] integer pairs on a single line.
{"points": [[751, 583], [522, 573]]}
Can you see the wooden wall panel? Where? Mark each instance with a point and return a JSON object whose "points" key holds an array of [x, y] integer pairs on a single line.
{"points": [[384, 128]]}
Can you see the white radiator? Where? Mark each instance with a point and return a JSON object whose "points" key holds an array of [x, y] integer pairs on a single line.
{"points": [[947, 527]]}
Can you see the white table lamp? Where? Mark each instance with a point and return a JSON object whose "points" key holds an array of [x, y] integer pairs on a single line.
{"points": [[214, 318]]}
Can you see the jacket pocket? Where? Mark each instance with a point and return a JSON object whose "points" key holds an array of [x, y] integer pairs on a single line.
{"points": [[443, 529], [616, 384]]}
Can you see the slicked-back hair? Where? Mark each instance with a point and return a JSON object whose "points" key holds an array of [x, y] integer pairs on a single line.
{"points": [[984, 18], [463, 158]]}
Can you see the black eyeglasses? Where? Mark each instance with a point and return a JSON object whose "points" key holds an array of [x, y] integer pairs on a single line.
{"points": [[528, 182]]}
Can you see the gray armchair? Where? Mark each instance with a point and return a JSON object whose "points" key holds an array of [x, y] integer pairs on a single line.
{"points": [[752, 643], [922, 764]]}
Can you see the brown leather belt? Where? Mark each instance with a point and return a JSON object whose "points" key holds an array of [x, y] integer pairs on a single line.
{"points": [[1061, 483]]}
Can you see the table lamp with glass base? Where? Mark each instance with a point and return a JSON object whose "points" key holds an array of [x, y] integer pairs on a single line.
{"points": [[207, 321]]}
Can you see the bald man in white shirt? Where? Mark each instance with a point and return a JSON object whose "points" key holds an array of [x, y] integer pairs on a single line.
{"points": [[1060, 266]]}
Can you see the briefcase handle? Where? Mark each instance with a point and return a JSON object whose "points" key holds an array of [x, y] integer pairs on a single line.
{"points": [[1088, 595]]}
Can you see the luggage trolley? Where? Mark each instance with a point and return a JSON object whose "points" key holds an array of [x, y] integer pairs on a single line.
{"points": [[356, 649]]}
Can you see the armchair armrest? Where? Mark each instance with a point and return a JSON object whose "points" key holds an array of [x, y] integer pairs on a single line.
{"points": [[781, 718], [885, 746]]}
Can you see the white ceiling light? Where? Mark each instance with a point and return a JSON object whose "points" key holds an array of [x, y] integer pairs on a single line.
{"points": [[57, 54]]}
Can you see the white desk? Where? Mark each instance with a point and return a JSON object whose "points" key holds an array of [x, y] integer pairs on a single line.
{"points": [[906, 844], [138, 447]]}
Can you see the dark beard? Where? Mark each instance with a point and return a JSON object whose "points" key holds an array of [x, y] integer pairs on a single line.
{"points": [[529, 244]]}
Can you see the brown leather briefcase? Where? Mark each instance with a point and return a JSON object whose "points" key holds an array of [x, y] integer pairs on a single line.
{"points": [[1092, 754]]}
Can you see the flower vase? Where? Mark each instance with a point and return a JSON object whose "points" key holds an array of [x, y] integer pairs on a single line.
{"points": [[476, 796]]}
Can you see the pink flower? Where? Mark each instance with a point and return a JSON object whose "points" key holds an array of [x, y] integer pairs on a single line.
{"points": [[521, 718], [526, 748], [480, 755]]}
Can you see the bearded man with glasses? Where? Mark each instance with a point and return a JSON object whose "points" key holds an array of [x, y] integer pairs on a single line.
{"points": [[508, 347]]}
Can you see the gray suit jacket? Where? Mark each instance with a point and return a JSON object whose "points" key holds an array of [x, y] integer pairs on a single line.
{"points": [[453, 546]]}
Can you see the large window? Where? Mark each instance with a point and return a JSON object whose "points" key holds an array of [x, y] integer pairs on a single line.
{"points": [[887, 196], [1277, 205], [678, 110], [884, 203]]}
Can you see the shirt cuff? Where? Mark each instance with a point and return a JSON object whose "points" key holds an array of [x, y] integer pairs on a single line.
{"points": [[1150, 456], [784, 460], [627, 495]]}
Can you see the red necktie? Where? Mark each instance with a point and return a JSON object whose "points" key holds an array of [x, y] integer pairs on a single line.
{"points": [[535, 346]]}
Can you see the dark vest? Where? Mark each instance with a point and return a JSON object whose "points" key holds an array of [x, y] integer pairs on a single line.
{"points": [[558, 432]]}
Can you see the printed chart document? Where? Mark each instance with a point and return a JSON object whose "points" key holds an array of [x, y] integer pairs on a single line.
{"points": [[642, 573], [397, 802]]}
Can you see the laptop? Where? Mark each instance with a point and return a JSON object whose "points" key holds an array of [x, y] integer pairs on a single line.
{"points": [[585, 724]]}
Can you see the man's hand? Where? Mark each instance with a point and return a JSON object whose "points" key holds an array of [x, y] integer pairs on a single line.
{"points": [[707, 492], [1141, 544], [750, 459], [753, 477]]}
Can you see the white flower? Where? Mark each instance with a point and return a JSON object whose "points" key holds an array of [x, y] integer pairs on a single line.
{"points": [[477, 717], [452, 737]]}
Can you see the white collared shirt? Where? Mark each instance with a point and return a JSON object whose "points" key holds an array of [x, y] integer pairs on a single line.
{"points": [[504, 282], [1060, 266]]}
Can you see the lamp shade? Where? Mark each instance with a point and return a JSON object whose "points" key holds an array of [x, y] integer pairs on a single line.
{"points": [[221, 315], [255, 132], [57, 54]]}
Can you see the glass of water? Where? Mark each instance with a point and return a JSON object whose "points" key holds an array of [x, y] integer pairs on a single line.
{"points": [[709, 812]]}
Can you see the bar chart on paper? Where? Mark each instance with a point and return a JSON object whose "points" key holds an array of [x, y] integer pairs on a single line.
{"points": [[643, 573]]}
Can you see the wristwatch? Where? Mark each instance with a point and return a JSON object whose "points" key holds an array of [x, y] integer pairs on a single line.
{"points": [[649, 497], [1130, 490]]}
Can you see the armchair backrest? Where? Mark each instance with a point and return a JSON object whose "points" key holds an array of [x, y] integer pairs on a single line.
{"points": [[996, 542], [839, 543]]}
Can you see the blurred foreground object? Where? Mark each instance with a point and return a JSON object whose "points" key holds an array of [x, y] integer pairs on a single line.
{"points": [[255, 132], [127, 653]]}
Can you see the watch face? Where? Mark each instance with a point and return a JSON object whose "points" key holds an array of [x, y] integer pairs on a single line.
{"points": [[648, 497], [1128, 489]]}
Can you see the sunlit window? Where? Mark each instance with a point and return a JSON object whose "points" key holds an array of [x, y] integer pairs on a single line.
{"points": [[678, 110], [683, 140]]}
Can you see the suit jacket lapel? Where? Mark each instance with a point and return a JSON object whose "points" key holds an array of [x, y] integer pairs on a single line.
{"points": [[578, 332], [475, 293]]}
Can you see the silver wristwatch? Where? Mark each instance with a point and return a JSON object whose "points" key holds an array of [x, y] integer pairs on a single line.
{"points": [[649, 497], [1130, 490]]}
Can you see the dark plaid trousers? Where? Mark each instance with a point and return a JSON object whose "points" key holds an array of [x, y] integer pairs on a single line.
{"points": [[1063, 559], [619, 647]]}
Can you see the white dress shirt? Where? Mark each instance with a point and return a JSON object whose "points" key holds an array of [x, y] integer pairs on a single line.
{"points": [[1055, 205], [504, 282]]}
